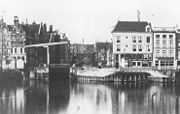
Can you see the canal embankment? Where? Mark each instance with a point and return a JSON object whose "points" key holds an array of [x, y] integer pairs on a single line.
{"points": [[120, 75]]}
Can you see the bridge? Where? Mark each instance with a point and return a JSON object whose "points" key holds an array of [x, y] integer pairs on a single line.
{"points": [[53, 55]]}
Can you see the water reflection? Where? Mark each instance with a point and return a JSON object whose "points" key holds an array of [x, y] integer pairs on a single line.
{"points": [[63, 97], [59, 96], [11, 98]]}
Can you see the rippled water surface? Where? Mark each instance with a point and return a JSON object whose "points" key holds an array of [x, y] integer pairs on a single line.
{"points": [[62, 97]]}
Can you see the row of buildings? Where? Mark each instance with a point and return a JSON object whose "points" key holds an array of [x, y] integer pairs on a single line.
{"points": [[138, 44], [14, 38], [14, 54]]}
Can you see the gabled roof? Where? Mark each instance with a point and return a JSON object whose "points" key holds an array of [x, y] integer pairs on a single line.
{"points": [[130, 26]]}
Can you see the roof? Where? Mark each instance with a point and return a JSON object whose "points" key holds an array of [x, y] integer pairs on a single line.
{"points": [[32, 28], [130, 26], [164, 30], [84, 48], [103, 45]]}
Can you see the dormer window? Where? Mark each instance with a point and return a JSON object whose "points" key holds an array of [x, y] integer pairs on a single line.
{"points": [[148, 28]]}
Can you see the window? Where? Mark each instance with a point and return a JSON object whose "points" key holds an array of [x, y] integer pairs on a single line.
{"points": [[150, 56], [170, 53], [148, 39], [164, 53], [138, 63], [167, 63], [170, 42], [140, 56], [140, 39], [145, 56], [15, 50], [134, 39], [117, 56], [134, 56], [163, 63], [156, 63], [23, 58], [171, 63], [157, 36], [157, 42], [140, 47], [134, 64], [170, 36], [21, 50], [134, 47], [164, 36], [147, 48], [19, 57], [118, 39], [157, 53], [164, 42]]}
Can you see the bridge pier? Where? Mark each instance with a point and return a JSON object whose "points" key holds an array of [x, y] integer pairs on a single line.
{"points": [[58, 72]]}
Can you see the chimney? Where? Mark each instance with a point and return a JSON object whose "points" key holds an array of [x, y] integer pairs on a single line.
{"points": [[16, 21], [50, 28], [45, 27]]}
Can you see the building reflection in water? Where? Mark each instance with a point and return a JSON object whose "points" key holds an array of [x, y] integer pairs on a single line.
{"points": [[62, 97], [11, 98], [59, 96], [137, 98]]}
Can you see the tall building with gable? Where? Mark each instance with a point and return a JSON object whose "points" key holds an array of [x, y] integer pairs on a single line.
{"points": [[132, 44]]}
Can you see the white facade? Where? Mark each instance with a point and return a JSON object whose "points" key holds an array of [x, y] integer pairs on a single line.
{"points": [[132, 43], [164, 56], [126, 42], [18, 53]]}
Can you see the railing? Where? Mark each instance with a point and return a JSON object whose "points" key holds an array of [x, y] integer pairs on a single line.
{"points": [[128, 69]]}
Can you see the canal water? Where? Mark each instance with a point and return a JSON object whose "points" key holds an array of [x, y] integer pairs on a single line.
{"points": [[63, 97]]}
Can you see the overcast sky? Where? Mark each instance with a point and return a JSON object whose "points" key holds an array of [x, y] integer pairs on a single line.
{"points": [[92, 20]]}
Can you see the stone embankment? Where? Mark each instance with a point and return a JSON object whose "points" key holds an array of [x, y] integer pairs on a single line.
{"points": [[120, 75]]}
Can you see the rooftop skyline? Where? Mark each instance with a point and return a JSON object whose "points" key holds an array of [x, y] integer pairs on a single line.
{"points": [[91, 20]]}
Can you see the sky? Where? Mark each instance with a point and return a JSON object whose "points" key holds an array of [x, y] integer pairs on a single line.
{"points": [[91, 20]]}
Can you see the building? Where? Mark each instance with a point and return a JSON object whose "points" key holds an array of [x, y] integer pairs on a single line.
{"points": [[83, 54], [132, 44], [5, 46], [38, 34], [165, 48], [178, 48], [104, 56], [18, 39]]}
